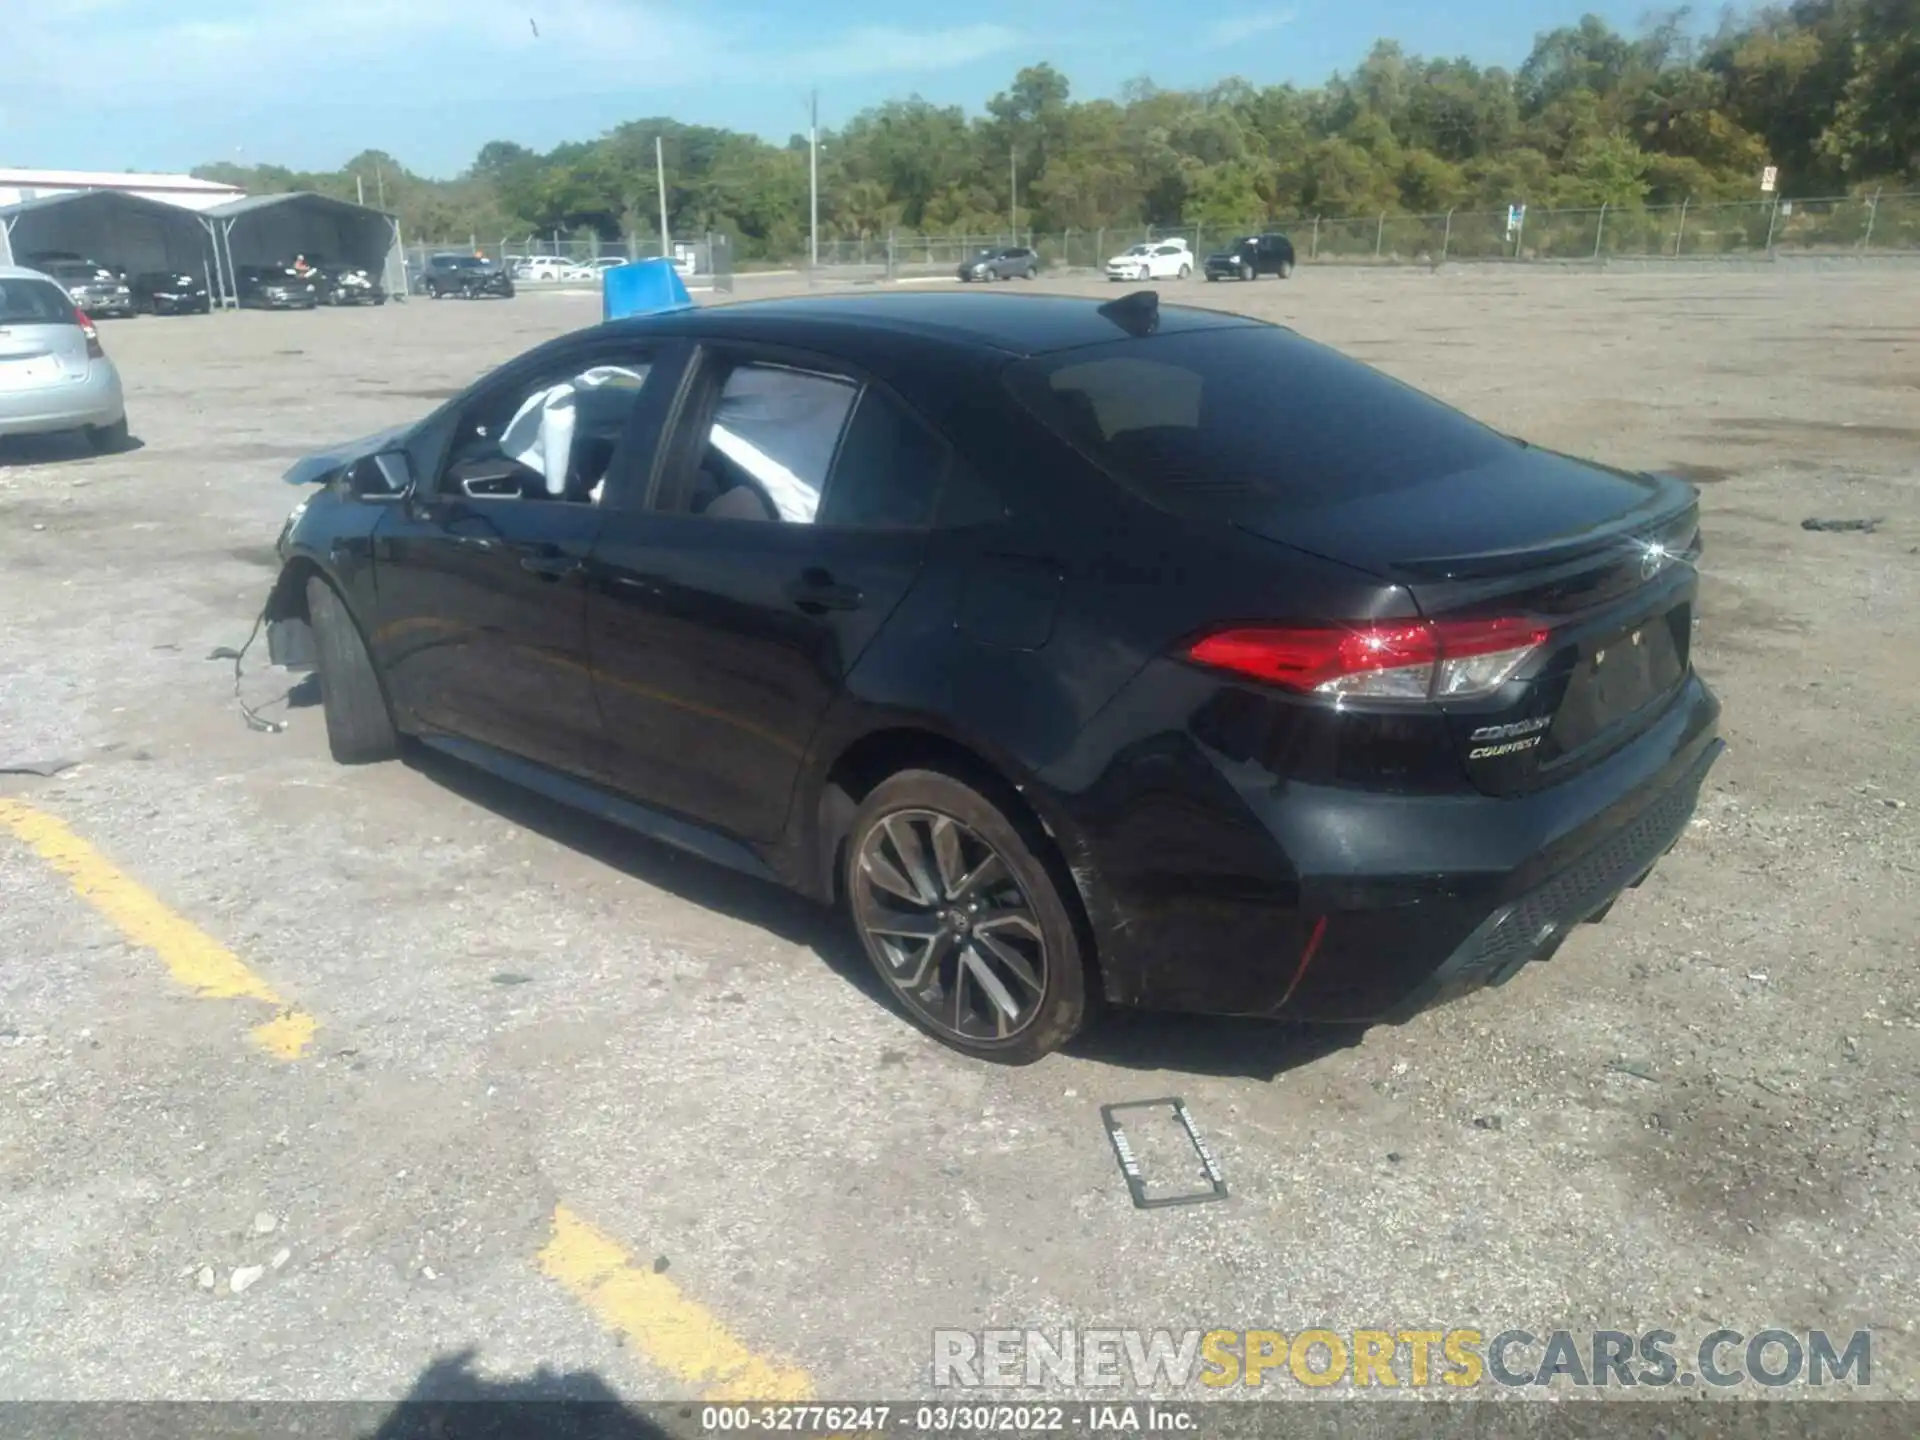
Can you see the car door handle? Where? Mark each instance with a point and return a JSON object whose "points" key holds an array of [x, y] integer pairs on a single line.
{"points": [[816, 592]]}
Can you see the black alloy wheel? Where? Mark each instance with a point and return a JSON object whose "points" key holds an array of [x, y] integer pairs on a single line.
{"points": [[964, 920]]}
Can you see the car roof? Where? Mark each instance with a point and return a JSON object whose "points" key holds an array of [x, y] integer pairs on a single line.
{"points": [[1011, 325], [23, 272]]}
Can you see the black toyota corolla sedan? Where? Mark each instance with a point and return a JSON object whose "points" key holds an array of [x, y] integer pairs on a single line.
{"points": [[1087, 652]]}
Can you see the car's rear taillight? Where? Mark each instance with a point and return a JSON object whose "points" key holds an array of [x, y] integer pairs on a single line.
{"points": [[94, 352], [1400, 660]]}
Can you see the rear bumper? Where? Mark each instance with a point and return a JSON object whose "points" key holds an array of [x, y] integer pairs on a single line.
{"points": [[72, 405], [1533, 926], [1236, 892]]}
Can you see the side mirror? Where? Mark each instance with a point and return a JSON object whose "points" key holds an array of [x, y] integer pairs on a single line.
{"points": [[380, 477]]}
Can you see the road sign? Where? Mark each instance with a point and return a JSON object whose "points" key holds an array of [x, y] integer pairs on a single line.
{"points": [[1516, 217], [1769, 177]]}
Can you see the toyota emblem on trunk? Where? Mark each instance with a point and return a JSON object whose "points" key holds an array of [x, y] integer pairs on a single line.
{"points": [[1652, 561]]}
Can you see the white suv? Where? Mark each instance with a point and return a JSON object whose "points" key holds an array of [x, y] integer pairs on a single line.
{"points": [[1153, 260]]}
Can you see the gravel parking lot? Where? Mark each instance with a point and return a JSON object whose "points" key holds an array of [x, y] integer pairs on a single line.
{"points": [[541, 1050]]}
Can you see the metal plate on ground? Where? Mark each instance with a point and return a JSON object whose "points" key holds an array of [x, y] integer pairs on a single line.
{"points": [[1149, 1140]]}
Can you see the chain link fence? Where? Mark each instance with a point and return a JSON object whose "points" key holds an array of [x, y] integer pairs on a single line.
{"points": [[1876, 224]]}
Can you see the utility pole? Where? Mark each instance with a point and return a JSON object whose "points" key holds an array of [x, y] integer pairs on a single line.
{"points": [[660, 175], [380, 182], [1013, 194], [813, 182], [360, 187]]}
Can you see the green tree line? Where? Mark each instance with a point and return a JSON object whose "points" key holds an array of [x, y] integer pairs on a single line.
{"points": [[1826, 90]]}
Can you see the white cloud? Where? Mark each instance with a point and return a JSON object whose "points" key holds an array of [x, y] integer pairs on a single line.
{"points": [[1237, 28]]}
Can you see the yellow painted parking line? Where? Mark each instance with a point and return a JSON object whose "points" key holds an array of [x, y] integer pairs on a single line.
{"points": [[653, 1315], [194, 958]]}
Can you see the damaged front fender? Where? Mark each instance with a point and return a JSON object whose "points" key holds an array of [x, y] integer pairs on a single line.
{"points": [[289, 635]]}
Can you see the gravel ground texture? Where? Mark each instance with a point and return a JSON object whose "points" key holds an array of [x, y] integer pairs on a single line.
{"points": [[1699, 1114]]}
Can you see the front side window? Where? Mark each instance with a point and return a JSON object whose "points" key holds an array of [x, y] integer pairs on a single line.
{"points": [[549, 439]]}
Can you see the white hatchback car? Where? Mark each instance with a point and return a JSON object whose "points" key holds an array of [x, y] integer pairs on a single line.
{"points": [[54, 375], [1153, 260]]}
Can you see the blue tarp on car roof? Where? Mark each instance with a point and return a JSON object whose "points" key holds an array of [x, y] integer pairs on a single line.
{"points": [[646, 287]]}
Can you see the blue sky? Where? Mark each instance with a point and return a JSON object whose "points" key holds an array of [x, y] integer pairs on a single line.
{"points": [[135, 84]]}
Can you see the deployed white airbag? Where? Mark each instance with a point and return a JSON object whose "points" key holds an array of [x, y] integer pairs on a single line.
{"points": [[540, 434]]}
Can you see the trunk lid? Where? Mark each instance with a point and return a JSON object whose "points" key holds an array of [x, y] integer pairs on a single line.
{"points": [[1601, 558]]}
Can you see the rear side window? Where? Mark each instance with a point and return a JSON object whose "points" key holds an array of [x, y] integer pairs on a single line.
{"points": [[1241, 421], [33, 302], [888, 474]]}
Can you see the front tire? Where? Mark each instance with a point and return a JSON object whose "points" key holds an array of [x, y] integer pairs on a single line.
{"points": [[964, 918], [360, 727], [1246, 272]]}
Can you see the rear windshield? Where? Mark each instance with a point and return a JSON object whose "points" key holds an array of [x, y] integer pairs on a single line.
{"points": [[33, 302], [1236, 421]]}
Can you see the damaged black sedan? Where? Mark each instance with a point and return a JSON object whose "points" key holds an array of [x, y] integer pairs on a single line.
{"points": [[1085, 653]]}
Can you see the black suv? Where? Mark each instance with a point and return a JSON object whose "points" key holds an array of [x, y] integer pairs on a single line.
{"points": [[468, 276], [1251, 256], [1000, 262]]}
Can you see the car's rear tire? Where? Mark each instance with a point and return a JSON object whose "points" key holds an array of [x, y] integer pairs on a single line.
{"points": [[1286, 270], [1185, 271], [967, 918], [360, 727], [109, 439]]}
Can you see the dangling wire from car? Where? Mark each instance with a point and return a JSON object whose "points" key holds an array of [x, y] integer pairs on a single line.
{"points": [[255, 720]]}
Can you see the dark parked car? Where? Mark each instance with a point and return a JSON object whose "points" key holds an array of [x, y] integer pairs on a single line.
{"points": [[338, 283], [1001, 262], [1250, 256], [274, 287], [1156, 654], [97, 289], [170, 292], [467, 276]]}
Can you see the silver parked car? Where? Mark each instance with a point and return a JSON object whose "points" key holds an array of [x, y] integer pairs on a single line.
{"points": [[54, 375], [99, 291]]}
